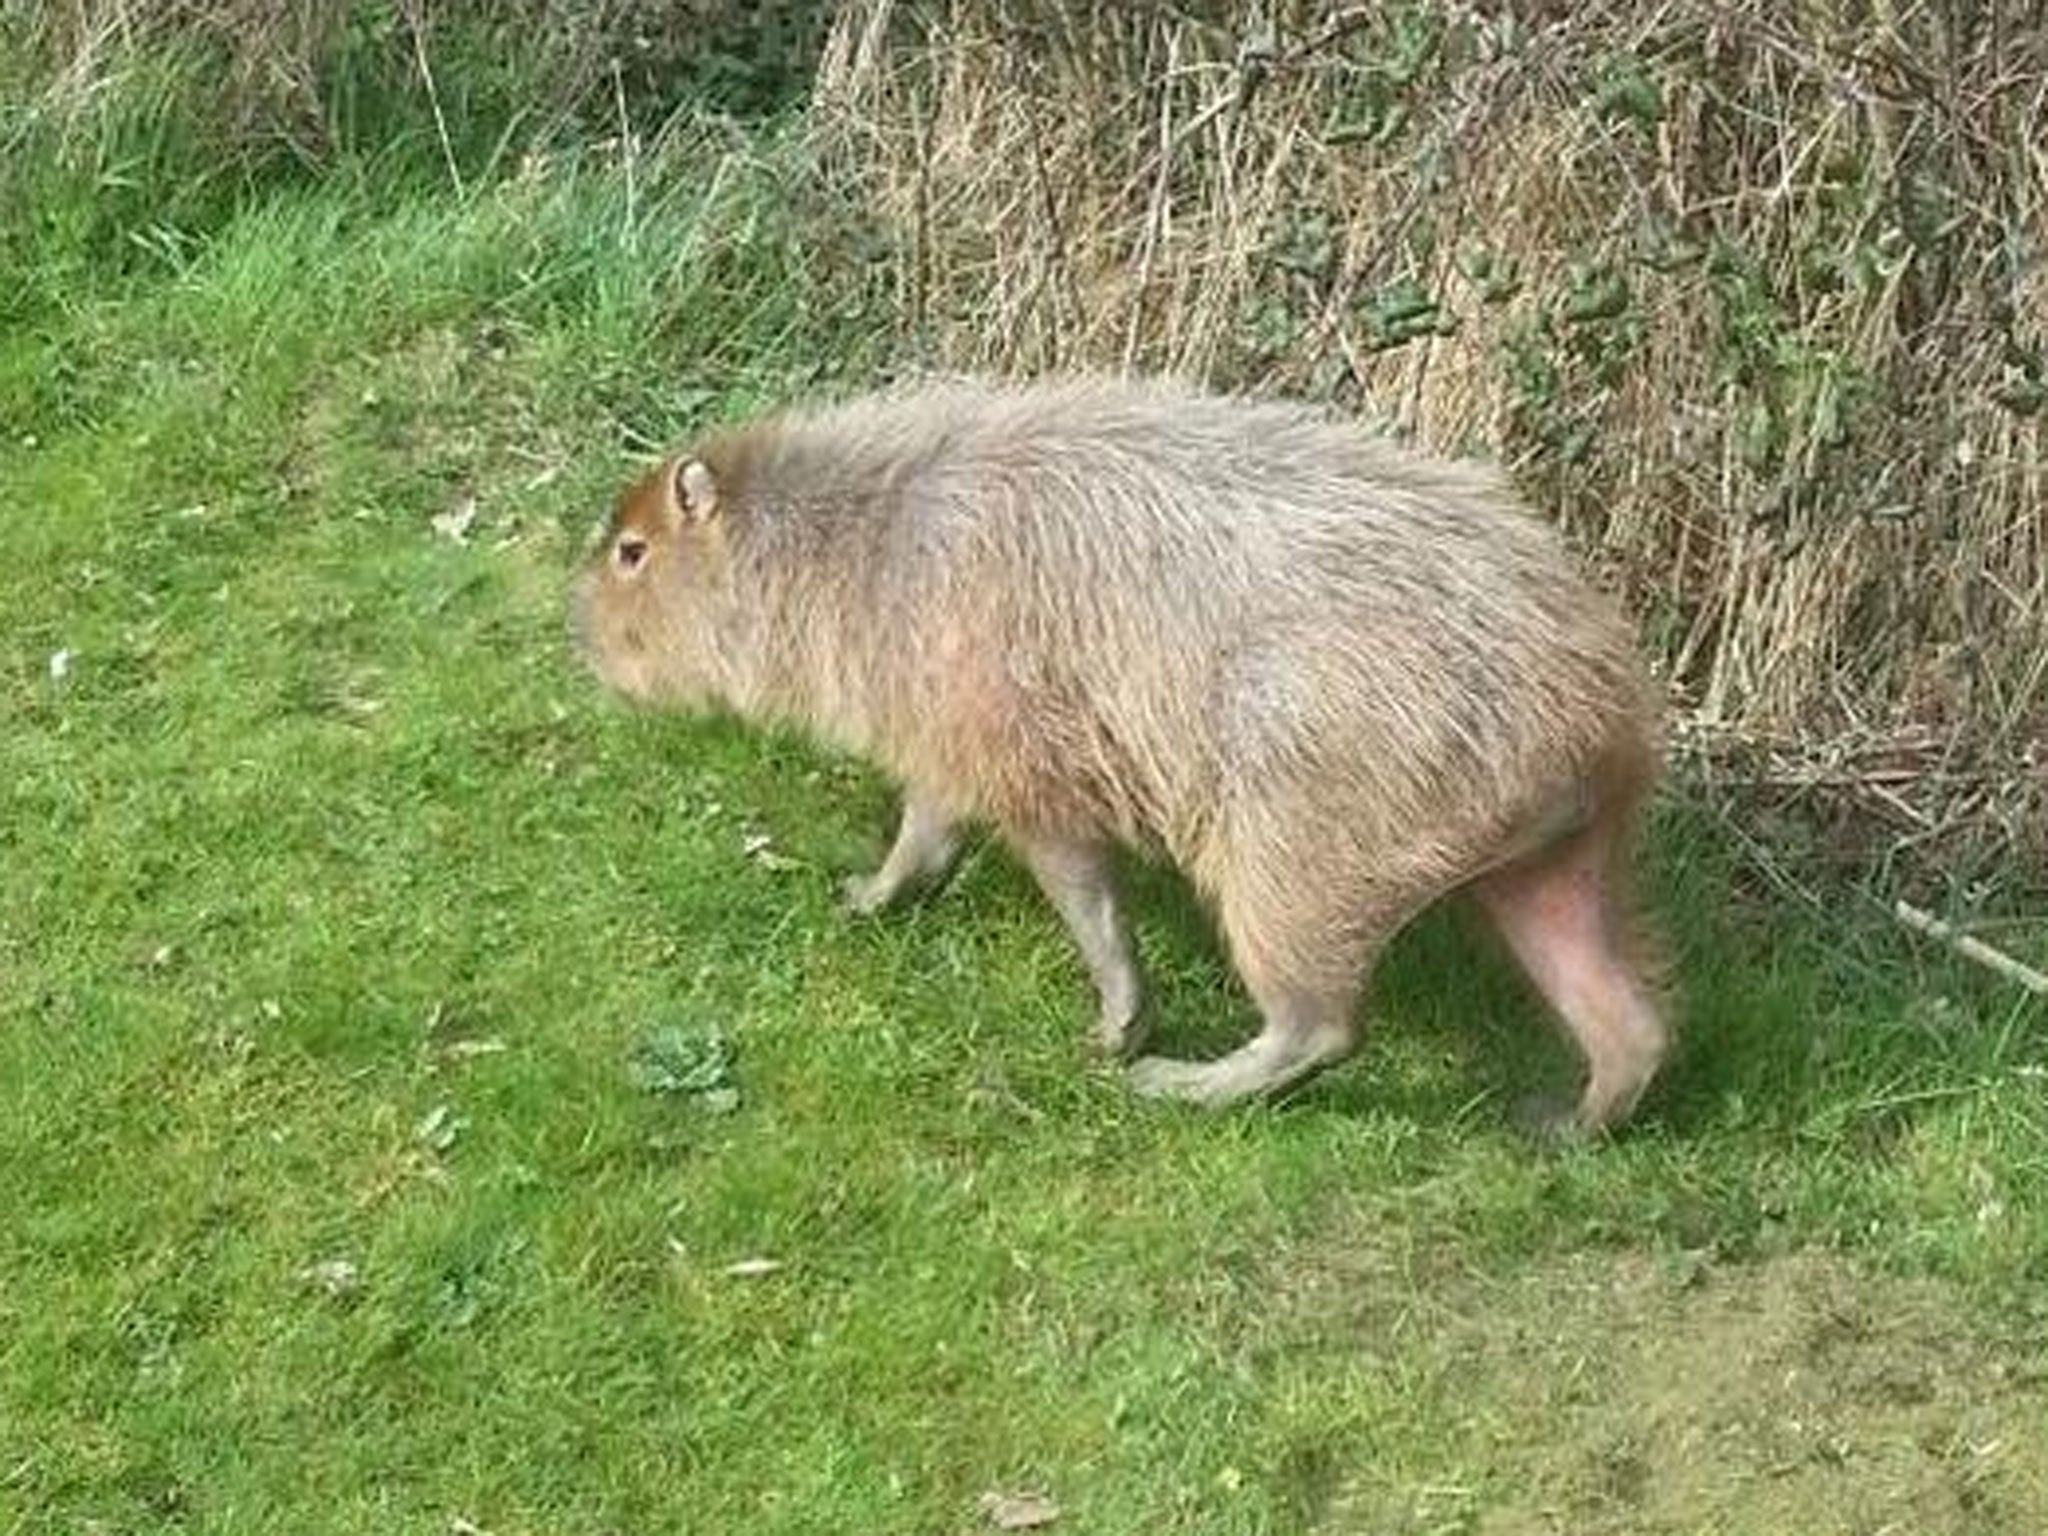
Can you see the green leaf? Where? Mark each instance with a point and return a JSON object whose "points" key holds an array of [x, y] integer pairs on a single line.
{"points": [[2023, 396], [692, 1064], [1597, 293], [1627, 90]]}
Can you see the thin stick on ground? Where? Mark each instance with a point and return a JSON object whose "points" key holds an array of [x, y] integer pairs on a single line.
{"points": [[1971, 948]]}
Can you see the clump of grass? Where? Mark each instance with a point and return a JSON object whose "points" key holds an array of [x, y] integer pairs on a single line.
{"points": [[1750, 307], [323, 78], [130, 130]]}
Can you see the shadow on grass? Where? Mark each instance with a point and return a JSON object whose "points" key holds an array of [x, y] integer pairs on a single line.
{"points": [[1783, 1015], [1794, 1027]]}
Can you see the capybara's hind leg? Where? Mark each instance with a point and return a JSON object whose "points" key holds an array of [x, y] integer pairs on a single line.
{"points": [[1077, 879], [926, 843], [1305, 980], [1564, 915]]}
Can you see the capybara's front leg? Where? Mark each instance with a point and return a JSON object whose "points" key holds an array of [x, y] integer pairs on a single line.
{"points": [[1301, 941], [1077, 880], [927, 841], [1304, 1032]]}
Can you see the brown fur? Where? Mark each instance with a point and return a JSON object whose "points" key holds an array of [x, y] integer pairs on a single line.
{"points": [[1329, 678]]}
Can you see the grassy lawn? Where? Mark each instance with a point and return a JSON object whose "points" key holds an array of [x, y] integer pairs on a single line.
{"points": [[353, 953]]}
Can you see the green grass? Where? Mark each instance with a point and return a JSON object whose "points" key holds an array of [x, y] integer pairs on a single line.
{"points": [[334, 905]]}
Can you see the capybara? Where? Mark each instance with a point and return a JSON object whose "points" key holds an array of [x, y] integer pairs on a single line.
{"points": [[1331, 679]]}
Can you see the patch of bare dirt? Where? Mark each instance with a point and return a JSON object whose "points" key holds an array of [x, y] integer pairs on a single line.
{"points": [[1798, 1395]]}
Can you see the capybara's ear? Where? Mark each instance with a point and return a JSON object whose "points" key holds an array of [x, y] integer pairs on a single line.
{"points": [[692, 494]]}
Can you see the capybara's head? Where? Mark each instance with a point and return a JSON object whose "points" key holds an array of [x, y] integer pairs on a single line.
{"points": [[645, 606]]}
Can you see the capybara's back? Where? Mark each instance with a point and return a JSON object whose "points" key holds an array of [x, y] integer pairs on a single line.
{"points": [[1330, 678]]}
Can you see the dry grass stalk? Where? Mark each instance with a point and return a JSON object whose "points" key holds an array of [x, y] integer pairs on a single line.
{"points": [[272, 54]]}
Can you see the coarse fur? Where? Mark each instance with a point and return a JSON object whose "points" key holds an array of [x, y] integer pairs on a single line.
{"points": [[1330, 678]]}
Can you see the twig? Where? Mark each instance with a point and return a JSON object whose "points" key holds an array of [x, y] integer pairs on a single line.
{"points": [[1063, 266], [1974, 949], [1339, 29], [626, 156], [1157, 214], [419, 49]]}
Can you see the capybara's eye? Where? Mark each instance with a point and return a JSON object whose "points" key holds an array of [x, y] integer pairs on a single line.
{"points": [[629, 551]]}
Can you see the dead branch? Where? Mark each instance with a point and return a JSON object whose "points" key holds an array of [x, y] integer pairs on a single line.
{"points": [[1971, 948]]}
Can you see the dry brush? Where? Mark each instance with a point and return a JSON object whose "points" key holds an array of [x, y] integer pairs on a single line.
{"points": [[1755, 301]]}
